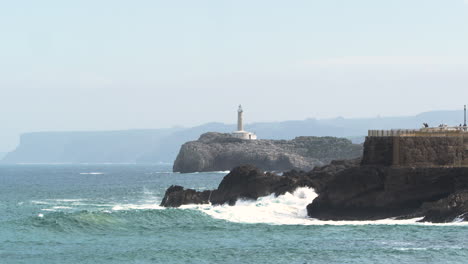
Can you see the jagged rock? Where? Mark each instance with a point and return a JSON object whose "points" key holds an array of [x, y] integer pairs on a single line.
{"points": [[176, 196], [220, 152], [452, 208], [420, 186], [244, 182], [366, 189], [348, 191], [248, 182], [376, 192]]}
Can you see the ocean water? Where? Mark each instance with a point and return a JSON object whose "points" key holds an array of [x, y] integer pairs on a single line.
{"points": [[111, 214]]}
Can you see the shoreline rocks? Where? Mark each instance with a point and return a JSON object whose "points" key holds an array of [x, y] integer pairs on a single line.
{"points": [[397, 177], [376, 192], [348, 191], [244, 182]]}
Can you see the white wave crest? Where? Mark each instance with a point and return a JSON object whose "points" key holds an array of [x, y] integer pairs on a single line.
{"points": [[91, 173], [204, 172], [287, 209], [127, 207]]}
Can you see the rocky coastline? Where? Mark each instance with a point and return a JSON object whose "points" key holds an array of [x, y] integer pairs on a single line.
{"points": [[355, 189], [348, 191]]}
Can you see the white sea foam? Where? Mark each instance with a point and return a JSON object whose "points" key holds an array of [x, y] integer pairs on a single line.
{"points": [[149, 202], [91, 173], [287, 209], [411, 249], [144, 206], [66, 200], [44, 163], [61, 207], [207, 172], [40, 202], [284, 209]]}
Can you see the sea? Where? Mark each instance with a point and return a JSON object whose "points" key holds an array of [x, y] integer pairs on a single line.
{"points": [[110, 213]]}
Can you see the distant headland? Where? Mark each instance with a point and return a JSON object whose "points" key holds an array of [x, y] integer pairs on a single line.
{"points": [[419, 173], [221, 152], [163, 145]]}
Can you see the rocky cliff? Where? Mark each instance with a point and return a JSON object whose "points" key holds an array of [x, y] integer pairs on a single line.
{"points": [[244, 182], [348, 191], [220, 152], [376, 192], [360, 189]]}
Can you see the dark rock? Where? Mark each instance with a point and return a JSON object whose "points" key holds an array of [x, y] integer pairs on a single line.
{"points": [[376, 192], [353, 190], [449, 209], [348, 191], [220, 152], [248, 182], [244, 182], [321, 176], [176, 196]]}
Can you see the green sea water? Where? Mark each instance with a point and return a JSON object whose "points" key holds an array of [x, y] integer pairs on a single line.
{"points": [[110, 214]]}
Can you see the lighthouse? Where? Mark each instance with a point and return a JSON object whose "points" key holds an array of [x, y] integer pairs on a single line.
{"points": [[241, 133], [240, 124]]}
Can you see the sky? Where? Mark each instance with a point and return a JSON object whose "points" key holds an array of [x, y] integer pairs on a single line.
{"points": [[112, 64]]}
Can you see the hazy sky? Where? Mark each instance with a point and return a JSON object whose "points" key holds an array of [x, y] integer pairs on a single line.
{"points": [[99, 65]]}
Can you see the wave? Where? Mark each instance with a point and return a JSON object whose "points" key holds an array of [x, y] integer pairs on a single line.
{"points": [[204, 172], [91, 173], [148, 201], [286, 209], [146, 206], [289, 209], [131, 221], [83, 163]]}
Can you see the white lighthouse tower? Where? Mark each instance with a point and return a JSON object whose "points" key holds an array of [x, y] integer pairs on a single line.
{"points": [[241, 133], [240, 124]]}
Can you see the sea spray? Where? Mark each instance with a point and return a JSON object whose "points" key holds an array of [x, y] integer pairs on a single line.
{"points": [[289, 208]]}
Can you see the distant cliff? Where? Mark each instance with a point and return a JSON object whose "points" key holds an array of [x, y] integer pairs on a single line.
{"points": [[219, 152], [162, 145], [86, 147]]}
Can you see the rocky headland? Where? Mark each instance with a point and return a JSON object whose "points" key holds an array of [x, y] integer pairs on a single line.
{"points": [[360, 189], [221, 152]]}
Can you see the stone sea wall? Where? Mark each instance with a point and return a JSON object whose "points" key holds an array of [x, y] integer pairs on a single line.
{"points": [[415, 151]]}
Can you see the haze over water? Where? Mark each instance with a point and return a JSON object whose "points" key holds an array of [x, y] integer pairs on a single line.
{"points": [[112, 64], [119, 65]]}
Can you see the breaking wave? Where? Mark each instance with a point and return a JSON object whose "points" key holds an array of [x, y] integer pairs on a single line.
{"points": [[286, 209]]}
